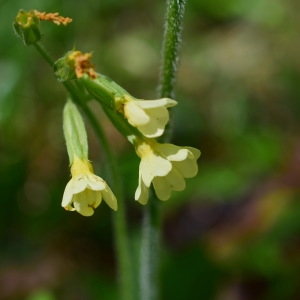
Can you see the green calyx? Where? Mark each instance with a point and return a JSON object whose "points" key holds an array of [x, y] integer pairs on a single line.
{"points": [[74, 132], [110, 95], [102, 90]]}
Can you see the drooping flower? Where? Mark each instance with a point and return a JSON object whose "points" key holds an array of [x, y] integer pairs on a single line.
{"points": [[85, 191], [148, 116], [164, 165]]}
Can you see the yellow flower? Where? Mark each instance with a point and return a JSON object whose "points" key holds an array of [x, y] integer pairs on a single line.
{"points": [[148, 116], [85, 190], [164, 165]]}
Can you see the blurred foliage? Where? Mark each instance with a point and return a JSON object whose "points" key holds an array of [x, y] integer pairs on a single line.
{"points": [[233, 234]]}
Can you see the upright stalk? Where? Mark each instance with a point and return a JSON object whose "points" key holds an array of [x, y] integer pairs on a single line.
{"points": [[149, 262], [150, 243], [171, 47], [127, 290]]}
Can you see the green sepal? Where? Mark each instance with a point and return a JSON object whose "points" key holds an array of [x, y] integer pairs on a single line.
{"points": [[74, 132], [27, 27]]}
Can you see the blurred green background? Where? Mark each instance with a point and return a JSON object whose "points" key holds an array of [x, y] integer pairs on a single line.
{"points": [[233, 234]]}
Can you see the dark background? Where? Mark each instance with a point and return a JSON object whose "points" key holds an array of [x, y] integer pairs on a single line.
{"points": [[233, 234]]}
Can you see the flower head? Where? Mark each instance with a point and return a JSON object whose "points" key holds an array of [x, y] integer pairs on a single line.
{"points": [[164, 165], [148, 116], [84, 192]]}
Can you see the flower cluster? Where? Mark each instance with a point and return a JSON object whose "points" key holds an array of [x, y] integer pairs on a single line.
{"points": [[165, 166]]}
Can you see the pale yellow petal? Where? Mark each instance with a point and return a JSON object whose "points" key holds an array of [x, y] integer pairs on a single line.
{"points": [[158, 118], [164, 102], [150, 130], [110, 198], [135, 115], [69, 207], [163, 186], [184, 159], [195, 152], [95, 182], [142, 192], [152, 166], [175, 180], [149, 116], [83, 209], [187, 168], [79, 183], [97, 198], [162, 189], [68, 195], [172, 152], [86, 202]]}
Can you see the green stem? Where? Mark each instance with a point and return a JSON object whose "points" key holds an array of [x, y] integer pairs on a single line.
{"points": [[150, 243], [171, 47], [44, 53], [120, 226], [149, 262]]}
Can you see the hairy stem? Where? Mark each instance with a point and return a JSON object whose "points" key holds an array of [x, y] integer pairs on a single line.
{"points": [[150, 247], [44, 53], [171, 47]]}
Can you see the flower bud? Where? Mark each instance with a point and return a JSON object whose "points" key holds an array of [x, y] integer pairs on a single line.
{"points": [[63, 70], [27, 27]]}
